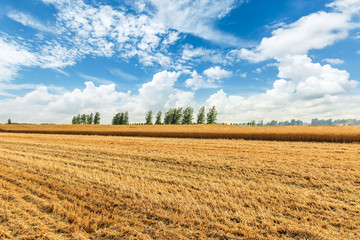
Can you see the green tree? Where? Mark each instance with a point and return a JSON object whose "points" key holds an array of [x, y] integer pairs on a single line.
{"points": [[201, 116], [83, 119], [97, 118], [116, 119], [212, 116], [73, 120], [121, 119], [9, 121], [90, 118], [177, 116], [273, 123], [158, 118], [168, 116], [148, 118], [126, 118], [187, 116]]}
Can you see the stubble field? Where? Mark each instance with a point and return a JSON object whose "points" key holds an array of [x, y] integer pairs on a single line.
{"points": [[110, 187]]}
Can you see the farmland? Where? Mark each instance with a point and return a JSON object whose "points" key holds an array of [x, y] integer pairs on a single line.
{"points": [[290, 133], [60, 186]]}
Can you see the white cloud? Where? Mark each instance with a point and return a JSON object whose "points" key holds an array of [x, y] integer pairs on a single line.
{"points": [[305, 89], [44, 104], [243, 75], [278, 104], [159, 94], [197, 17], [314, 31], [311, 80], [197, 81], [346, 6], [54, 55], [104, 31], [29, 21], [171, 38], [189, 53], [216, 73], [12, 57], [333, 61]]}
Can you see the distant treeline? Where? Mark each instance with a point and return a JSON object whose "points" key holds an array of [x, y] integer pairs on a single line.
{"points": [[186, 116], [293, 122], [86, 118]]}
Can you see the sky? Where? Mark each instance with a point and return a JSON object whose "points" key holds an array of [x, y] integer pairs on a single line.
{"points": [[251, 59]]}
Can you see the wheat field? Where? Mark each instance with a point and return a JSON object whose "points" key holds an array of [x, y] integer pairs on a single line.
{"points": [[111, 187], [275, 133]]}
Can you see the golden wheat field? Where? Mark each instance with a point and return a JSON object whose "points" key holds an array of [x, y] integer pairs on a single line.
{"points": [[290, 133], [58, 186]]}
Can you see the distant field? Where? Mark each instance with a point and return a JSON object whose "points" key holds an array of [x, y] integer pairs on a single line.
{"points": [[291, 133], [110, 187]]}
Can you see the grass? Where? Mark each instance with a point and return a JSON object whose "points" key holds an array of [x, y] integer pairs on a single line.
{"points": [[291, 133], [108, 187]]}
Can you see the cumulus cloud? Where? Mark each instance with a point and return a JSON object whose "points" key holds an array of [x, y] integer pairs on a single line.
{"points": [[216, 73], [196, 81], [314, 31], [58, 106], [305, 89], [312, 80], [159, 94], [278, 104]]}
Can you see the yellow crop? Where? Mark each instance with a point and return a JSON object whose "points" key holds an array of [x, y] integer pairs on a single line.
{"points": [[110, 187]]}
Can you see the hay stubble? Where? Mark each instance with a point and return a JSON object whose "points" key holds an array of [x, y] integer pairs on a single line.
{"points": [[103, 187]]}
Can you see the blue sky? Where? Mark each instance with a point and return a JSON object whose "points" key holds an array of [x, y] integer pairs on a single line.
{"points": [[253, 60]]}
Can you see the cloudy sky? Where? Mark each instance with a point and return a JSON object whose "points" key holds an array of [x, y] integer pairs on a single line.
{"points": [[252, 59]]}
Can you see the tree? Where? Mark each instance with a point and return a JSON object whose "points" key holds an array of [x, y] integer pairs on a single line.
{"points": [[97, 118], [201, 116], [126, 118], [148, 118], [83, 119], [173, 116], [121, 119], [188, 116], [273, 123], [116, 119], [90, 118], [158, 118], [261, 123], [211, 116], [73, 120], [177, 116], [9, 121], [168, 116]]}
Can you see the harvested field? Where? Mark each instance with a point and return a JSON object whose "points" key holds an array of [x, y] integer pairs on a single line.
{"points": [[291, 133], [107, 187]]}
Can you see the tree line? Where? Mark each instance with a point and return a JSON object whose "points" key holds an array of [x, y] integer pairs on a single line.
{"points": [[86, 118], [186, 116], [182, 116], [121, 119]]}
